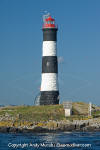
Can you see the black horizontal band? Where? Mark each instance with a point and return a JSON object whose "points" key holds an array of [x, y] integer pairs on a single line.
{"points": [[49, 97], [50, 34], [49, 64]]}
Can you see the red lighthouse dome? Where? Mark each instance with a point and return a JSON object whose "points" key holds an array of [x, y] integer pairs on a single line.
{"points": [[49, 22]]}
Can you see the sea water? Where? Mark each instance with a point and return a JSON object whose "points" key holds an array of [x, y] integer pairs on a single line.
{"points": [[50, 141]]}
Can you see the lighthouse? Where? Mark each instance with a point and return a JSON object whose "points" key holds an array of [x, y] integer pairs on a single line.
{"points": [[49, 91]]}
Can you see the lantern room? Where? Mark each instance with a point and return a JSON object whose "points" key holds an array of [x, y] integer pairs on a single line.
{"points": [[49, 22]]}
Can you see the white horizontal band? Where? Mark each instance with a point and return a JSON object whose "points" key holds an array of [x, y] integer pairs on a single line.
{"points": [[49, 82], [49, 48]]}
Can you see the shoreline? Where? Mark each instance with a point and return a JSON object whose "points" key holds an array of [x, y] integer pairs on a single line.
{"points": [[91, 125], [48, 118], [42, 130]]}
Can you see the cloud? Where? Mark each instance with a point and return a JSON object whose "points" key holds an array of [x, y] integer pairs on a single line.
{"points": [[60, 59]]}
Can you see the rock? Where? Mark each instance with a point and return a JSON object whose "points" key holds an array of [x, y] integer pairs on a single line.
{"points": [[5, 129], [90, 128], [82, 125], [70, 127], [40, 129], [26, 130], [15, 130], [53, 126]]}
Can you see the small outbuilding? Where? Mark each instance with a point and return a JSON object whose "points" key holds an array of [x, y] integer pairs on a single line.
{"points": [[68, 108]]}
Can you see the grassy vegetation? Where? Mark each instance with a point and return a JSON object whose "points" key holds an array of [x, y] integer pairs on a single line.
{"points": [[35, 113], [80, 108], [29, 114], [96, 114]]}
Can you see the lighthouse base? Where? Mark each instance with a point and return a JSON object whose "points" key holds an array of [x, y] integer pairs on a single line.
{"points": [[49, 97]]}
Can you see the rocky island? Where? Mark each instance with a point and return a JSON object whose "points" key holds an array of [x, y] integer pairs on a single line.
{"points": [[51, 118]]}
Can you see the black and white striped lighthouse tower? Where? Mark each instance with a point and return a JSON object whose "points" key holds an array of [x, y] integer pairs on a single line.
{"points": [[49, 92]]}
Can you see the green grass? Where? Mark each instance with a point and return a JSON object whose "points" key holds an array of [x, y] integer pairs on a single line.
{"points": [[46, 113], [35, 113], [96, 114]]}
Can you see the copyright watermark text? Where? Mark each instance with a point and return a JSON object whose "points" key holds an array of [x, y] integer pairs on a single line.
{"points": [[27, 145]]}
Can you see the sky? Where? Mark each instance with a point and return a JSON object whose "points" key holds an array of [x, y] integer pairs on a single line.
{"points": [[78, 48]]}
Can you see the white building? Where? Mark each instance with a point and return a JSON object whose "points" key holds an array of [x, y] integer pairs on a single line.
{"points": [[68, 108]]}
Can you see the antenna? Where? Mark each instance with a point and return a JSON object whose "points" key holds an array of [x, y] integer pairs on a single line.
{"points": [[46, 15], [90, 108]]}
